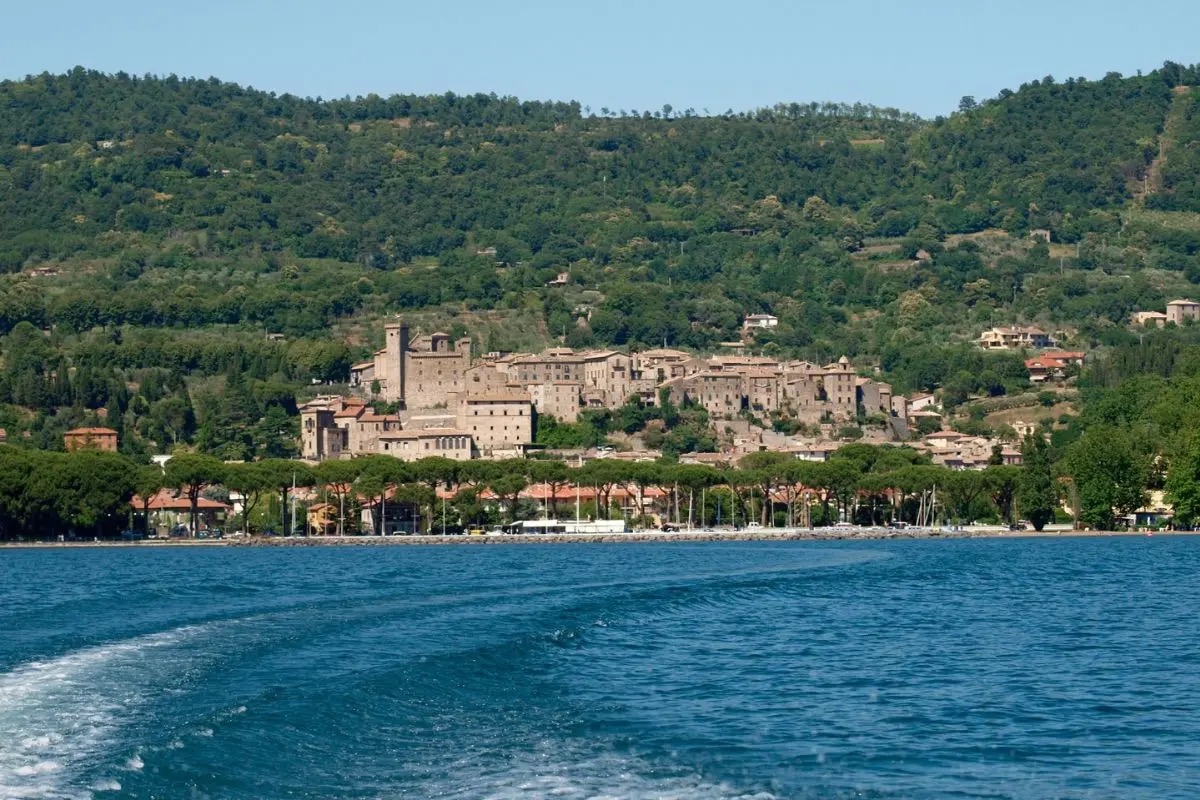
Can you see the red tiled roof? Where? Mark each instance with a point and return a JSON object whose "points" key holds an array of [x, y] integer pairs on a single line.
{"points": [[167, 500]]}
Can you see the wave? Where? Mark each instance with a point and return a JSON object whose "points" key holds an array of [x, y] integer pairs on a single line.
{"points": [[602, 776], [59, 717]]}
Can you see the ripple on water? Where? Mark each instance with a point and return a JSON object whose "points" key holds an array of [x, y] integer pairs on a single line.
{"points": [[972, 668]]}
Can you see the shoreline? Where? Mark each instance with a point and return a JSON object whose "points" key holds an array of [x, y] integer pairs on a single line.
{"points": [[757, 535]]}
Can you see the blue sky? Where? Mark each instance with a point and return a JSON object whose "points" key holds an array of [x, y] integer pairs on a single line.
{"points": [[920, 56]]}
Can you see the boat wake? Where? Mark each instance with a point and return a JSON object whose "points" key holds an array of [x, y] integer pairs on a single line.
{"points": [[608, 776], [59, 717]]}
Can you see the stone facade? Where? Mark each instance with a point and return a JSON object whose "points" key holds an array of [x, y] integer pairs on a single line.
{"points": [[90, 439], [423, 372], [561, 399], [498, 423], [495, 401], [320, 437], [412, 445], [1015, 337], [1181, 311], [720, 394]]}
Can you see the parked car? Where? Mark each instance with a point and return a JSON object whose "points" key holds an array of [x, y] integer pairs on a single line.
{"points": [[131, 536]]}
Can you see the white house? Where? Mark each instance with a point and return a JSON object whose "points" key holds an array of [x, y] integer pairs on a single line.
{"points": [[760, 322]]}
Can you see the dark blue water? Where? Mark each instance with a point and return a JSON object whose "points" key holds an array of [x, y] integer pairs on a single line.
{"points": [[918, 669]]}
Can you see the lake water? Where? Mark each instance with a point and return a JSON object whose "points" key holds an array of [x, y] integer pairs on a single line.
{"points": [[1066, 668]]}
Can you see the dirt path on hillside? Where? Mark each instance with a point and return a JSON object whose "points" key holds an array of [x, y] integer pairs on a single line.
{"points": [[1153, 181]]}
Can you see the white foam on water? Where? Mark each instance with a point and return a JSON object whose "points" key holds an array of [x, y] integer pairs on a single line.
{"points": [[135, 764], [601, 777], [60, 716], [106, 785]]}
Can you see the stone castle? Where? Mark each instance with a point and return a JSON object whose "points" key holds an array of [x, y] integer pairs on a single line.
{"points": [[453, 405]]}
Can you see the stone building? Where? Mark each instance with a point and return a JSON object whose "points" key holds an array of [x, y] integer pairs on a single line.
{"points": [[1015, 337], [1181, 311], [416, 444], [500, 424], [320, 437], [560, 399], [91, 439], [764, 389], [337, 427], [874, 397], [486, 378], [838, 381], [417, 373], [721, 394]]}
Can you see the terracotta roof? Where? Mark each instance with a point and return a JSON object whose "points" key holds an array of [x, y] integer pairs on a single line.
{"points": [[91, 432], [168, 500], [1052, 360], [373, 417]]}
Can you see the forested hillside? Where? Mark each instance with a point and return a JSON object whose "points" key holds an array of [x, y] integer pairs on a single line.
{"points": [[162, 226]]}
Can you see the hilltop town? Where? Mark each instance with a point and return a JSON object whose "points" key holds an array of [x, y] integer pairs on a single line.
{"points": [[193, 268], [445, 402]]}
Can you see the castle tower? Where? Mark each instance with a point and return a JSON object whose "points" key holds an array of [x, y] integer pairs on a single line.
{"points": [[396, 347]]}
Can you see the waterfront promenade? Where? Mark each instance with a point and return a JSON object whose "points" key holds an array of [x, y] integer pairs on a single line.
{"points": [[694, 535]]}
